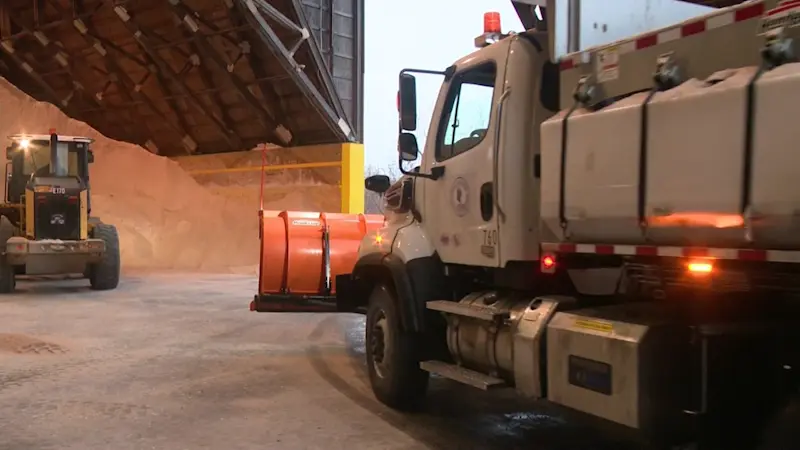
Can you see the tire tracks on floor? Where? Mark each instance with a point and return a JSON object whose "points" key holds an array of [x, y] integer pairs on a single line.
{"points": [[433, 438]]}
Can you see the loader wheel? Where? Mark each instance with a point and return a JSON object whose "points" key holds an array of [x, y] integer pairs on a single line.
{"points": [[104, 275], [393, 355], [8, 277], [8, 273]]}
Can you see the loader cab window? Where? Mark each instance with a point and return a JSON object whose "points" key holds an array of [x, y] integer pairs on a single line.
{"points": [[36, 159], [467, 111]]}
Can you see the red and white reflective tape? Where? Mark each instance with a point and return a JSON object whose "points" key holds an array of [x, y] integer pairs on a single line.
{"points": [[676, 252], [733, 14]]}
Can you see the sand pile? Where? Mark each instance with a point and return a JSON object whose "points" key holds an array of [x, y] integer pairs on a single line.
{"points": [[166, 220], [299, 189]]}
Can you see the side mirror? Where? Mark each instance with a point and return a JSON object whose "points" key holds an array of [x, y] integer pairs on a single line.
{"points": [[377, 183], [407, 99], [9, 153], [407, 147], [90, 156]]}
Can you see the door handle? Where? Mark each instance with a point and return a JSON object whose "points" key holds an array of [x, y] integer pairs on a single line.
{"points": [[487, 201]]}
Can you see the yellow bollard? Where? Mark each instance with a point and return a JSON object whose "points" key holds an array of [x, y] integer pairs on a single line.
{"points": [[352, 186]]}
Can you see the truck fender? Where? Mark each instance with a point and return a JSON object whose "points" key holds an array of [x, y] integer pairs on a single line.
{"points": [[415, 283]]}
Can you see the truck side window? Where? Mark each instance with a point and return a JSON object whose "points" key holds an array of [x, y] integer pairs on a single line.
{"points": [[467, 111]]}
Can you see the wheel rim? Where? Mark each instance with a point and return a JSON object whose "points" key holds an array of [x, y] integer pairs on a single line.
{"points": [[379, 347]]}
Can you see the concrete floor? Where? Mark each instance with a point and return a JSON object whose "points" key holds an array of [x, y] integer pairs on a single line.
{"points": [[178, 362]]}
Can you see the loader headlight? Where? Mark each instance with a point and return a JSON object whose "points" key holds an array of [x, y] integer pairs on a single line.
{"points": [[24, 144]]}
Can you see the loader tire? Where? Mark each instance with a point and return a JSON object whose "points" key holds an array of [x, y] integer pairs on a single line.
{"points": [[8, 277], [8, 273], [104, 275], [393, 355]]}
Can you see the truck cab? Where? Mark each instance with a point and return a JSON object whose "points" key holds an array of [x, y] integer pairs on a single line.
{"points": [[476, 193]]}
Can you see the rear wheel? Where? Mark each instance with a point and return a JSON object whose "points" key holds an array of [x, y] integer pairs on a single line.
{"points": [[393, 355], [8, 277], [8, 273], [104, 275]]}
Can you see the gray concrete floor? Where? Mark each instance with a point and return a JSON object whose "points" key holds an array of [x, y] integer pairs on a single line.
{"points": [[178, 362]]}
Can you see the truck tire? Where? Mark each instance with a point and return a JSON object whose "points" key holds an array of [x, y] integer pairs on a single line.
{"points": [[393, 355], [8, 273], [104, 275], [783, 433]]}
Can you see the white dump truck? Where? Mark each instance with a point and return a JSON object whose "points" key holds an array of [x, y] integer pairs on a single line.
{"points": [[616, 232]]}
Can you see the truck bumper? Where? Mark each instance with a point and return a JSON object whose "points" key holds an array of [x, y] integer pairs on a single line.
{"points": [[49, 257]]}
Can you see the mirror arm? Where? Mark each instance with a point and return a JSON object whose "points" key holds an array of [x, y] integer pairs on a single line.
{"points": [[436, 172]]}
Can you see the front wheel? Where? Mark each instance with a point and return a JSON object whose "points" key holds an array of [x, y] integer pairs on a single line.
{"points": [[8, 273], [393, 355], [104, 275]]}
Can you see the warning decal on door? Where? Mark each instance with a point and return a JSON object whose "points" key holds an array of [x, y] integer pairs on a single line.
{"points": [[785, 15], [607, 63]]}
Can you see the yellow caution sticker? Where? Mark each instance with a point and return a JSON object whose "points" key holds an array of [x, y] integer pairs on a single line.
{"points": [[595, 325]]}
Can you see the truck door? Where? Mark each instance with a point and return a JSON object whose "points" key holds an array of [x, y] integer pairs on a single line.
{"points": [[460, 205]]}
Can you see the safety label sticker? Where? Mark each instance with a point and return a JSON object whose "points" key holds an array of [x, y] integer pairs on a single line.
{"points": [[607, 64], [594, 325], [785, 15]]}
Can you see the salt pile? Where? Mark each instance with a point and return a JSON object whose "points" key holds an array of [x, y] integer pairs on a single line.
{"points": [[166, 220]]}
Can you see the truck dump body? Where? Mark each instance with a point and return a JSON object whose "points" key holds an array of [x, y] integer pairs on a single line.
{"points": [[703, 164]]}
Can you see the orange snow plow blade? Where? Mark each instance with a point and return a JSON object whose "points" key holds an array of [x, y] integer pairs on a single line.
{"points": [[301, 255]]}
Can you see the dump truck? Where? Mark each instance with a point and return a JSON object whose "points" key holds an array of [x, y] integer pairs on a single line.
{"points": [[45, 222], [613, 232]]}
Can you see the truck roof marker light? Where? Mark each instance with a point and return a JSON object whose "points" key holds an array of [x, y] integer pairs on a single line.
{"points": [[491, 23], [700, 267], [548, 264]]}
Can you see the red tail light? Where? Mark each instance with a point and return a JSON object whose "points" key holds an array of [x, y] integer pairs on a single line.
{"points": [[72, 199], [548, 264]]}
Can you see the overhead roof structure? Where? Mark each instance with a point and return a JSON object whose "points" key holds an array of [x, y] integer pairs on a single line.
{"points": [[193, 76]]}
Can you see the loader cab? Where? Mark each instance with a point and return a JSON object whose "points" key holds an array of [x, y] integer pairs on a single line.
{"points": [[477, 189], [48, 177], [31, 156]]}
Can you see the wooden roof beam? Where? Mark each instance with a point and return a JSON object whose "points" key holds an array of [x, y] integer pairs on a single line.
{"points": [[227, 134], [209, 54], [129, 88]]}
